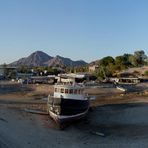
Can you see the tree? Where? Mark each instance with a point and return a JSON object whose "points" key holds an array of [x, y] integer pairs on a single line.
{"points": [[140, 57], [24, 69], [103, 72], [81, 69], [99, 74], [146, 73], [119, 60], [133, 60], [106, 61], [123, 60], [126, 61]]}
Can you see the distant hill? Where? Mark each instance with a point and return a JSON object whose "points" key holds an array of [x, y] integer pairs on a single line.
{"points": [[94, 63], [58, 60], [40, 58], [37, 58]]}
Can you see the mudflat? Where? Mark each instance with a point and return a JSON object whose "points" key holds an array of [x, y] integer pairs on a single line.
{"points": [[116, 120]]}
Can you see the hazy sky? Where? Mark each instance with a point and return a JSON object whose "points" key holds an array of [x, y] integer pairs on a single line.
{"points": [[78, 29]]}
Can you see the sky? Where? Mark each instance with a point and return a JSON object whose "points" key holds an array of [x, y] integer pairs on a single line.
{"points": [[78, 29]]}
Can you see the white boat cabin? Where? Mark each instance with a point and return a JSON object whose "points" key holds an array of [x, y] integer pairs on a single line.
{"points": [[69, 92]]}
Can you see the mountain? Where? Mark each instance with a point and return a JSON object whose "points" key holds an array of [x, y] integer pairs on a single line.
{"points": [[58, 60], [37, 58], [96, 62], [40, 58]]}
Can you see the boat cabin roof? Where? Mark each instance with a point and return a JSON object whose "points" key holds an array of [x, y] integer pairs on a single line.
{"points": [[69, 86]]}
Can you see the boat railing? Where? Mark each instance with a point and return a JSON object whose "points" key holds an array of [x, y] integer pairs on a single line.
{"points": [[70, 83]]}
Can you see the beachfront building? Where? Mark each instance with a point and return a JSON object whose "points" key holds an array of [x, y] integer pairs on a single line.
{"points": [[7, 72], [78, 78], [93, 68], [2, 71]]}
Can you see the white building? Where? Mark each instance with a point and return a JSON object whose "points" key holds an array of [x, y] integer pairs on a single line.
{"points": [[93, 68]]}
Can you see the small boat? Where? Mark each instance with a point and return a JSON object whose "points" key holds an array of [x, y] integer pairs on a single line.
{"points": [[121, 88], [68, 103]]}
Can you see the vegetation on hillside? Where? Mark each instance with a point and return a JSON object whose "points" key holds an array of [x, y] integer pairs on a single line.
{"points": [[109, 66]]}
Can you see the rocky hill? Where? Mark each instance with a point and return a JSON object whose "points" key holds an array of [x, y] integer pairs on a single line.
{"points": [[40, 58], [58, 60], [37, 58]]}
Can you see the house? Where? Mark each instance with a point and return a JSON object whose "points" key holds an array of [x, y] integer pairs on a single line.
{"points": [[2, 71], [78, 78], [93, 68], [7, 72]]}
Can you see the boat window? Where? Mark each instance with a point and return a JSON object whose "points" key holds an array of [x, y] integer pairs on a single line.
{"points": [[56, 90], [71, 91], [79, 91], [75, 91], [66, 91], [62, 90]]}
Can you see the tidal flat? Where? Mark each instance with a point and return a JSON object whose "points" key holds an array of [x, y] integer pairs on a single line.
{"points": [[121, 118]]}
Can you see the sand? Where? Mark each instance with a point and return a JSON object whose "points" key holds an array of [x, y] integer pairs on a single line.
{"points": [[124, 125]]}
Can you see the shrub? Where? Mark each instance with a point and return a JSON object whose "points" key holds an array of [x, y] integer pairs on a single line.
{"points": [[146, 73]]}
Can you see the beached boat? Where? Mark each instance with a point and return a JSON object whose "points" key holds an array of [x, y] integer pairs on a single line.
{"points": [[68, 103]]}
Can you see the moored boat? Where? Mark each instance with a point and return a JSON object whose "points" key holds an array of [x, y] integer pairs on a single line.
{"points": [[68, 103]]}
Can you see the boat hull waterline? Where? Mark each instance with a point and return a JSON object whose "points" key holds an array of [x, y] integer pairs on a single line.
{"points": [[61, 119]]}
